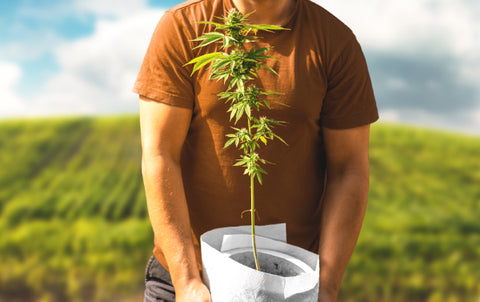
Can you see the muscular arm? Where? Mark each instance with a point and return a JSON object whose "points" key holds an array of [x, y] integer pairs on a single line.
{"points": [[163, 130], [344, 204]]}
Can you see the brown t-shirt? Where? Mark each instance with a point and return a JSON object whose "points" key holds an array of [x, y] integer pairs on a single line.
{"points": [[324, 80]]}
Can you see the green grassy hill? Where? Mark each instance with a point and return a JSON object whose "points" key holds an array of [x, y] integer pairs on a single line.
{"points": [[74, 227]]}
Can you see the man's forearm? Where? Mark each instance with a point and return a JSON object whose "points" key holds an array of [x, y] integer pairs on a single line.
{"points": [[169, 217], [342, 216]]}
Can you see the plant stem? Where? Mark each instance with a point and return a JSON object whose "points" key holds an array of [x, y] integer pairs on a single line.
{"points": [[252, 205], [252, 217]]}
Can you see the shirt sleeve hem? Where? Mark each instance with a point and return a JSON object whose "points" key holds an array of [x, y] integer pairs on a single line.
{"points": [[351, 122], [163, 96]]}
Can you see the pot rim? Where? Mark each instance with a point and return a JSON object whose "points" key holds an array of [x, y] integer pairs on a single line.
{"points": [[292, 259]]}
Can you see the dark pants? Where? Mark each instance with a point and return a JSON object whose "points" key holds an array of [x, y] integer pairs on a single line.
{"points": [[158, 283]]}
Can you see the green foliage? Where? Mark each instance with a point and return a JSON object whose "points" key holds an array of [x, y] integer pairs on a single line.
{"points": [[238, 67], [421, 236], [74, 226], [234, 31], [73, 220]]}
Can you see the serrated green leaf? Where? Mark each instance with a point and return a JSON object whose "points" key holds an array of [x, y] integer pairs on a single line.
{"points": [[280, 139], [212, 23], [241, 86], [209, 35], [248, 110], [239, 113], [222, 63], [259, 178], [269, 68], [261, 170], [245, 17], [262, 57], [203, 60], [267, 103], [229, 142], [261, 50], [271, 93], [203, 57], [267, 27], [232, 112], [241, 162], [232, 84], [207, 42]]}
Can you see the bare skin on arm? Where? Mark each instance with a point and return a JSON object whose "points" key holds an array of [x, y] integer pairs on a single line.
{"points": [[163, 132], [344, 203]]}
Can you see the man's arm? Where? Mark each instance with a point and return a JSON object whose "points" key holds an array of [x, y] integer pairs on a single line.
{"points": [[163, 129], [344, 203]]}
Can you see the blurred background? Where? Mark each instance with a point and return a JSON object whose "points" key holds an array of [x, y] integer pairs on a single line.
{"points": [[82, 56], [73, 223]]}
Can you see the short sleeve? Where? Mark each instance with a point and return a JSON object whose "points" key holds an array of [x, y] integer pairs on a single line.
{"points": [[349, 101], [163, 76]]}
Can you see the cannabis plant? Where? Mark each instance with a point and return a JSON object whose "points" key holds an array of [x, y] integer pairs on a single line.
{"points": [[238, 67]]}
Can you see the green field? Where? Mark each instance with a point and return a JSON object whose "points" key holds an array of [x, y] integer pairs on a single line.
{"points": [[74, 227]]}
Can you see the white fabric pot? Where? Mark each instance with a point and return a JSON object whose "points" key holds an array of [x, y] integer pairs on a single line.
{"points": [[231, 281]]}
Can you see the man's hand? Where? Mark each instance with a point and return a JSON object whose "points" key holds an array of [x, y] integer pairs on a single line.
{"points": [[194, 291]]}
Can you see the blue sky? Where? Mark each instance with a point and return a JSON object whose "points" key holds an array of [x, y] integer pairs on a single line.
{"points": [[81, 56]]}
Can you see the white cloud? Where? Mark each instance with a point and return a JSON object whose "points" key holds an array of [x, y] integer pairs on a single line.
{"points": [[416, 27], [474, 122], [411, 24], [110, 7], [9, 75], [390, 115], [98, 72], [33, 46], [444, 31], [10, 103]]}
